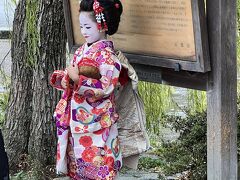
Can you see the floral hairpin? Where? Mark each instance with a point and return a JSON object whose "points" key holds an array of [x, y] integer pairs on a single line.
{"points": [[117, 5], [98, 10]]}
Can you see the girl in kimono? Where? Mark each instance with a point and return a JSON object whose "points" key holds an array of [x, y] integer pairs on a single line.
{"points": [[86, 119]]}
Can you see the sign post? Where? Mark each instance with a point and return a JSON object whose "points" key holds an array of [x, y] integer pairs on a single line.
{"points": [[221, 91]]}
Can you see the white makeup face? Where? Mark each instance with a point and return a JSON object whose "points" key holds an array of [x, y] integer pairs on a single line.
{"points": [[89, 28]]}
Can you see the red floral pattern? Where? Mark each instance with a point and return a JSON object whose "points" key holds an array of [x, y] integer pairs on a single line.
{"points": [[86, 141], [88, 155], [78, 98]]}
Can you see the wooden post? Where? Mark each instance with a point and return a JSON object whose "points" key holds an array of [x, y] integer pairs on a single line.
{"points": [[221, 91]]}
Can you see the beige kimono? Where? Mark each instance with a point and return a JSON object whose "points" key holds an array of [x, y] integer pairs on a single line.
{"points": [[132, 119]]}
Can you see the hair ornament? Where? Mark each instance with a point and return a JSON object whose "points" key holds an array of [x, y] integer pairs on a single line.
{"points": [[117, 5], [98, 11]]}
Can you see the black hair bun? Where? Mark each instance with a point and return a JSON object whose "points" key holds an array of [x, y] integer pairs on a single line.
{"points": [[112, 12]]}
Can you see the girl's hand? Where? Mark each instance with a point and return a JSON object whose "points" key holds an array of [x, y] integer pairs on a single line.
{"points": [[64, 83], [73, 72]]}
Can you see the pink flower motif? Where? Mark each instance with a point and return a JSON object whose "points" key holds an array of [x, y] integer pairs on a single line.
{"points": [[109, 73], [105, 134], [103, 172], [100, 58]]}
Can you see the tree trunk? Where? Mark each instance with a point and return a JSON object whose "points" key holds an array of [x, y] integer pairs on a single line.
{"points": [[52, 56], [29, 126], [19, 110]]}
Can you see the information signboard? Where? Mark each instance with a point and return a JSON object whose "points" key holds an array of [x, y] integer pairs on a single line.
{"points": [[162, 33]]}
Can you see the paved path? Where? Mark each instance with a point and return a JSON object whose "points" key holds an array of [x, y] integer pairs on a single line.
{"points": [[5, 61], [5, 55], [138, 175], [130, 175]]}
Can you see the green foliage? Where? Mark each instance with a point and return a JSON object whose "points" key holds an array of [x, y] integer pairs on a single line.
{"points": [[20, 176], [32, 31], [5, 83], [30, 168], [14, 1], [149, 163], [189, 152], [3, 106], [157, 99], [197, 101], [33, 172], [238, 15]]}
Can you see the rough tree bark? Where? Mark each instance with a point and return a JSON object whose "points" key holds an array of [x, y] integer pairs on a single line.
{"points": [[19, 110], [29, 126], [42, 143]]}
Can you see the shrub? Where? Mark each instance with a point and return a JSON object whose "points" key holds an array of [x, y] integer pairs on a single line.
{"points": [[189, 151]]}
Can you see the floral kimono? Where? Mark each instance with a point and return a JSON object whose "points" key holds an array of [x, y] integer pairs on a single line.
{"points": [[88, 144]]}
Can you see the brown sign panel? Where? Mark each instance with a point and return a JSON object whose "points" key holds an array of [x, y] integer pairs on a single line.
{"points": [[161, 28], [163, 33]]}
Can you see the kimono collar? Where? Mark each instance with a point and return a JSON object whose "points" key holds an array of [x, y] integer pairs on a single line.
{"points": [[101, 45]]}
